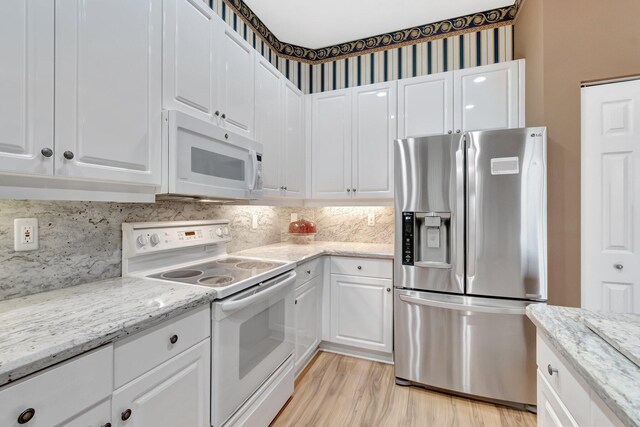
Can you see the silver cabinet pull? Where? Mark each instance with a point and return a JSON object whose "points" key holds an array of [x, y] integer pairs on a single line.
{"points": [[173, 339], [348, 190], [457, 130], [68, 155], [388, 289], [46, 152], [226, 136], [353, 189], [125, 415], [217, 113], [551, 370], [450, 132], [359, 267], [618, 266], [308, 271], [26, 416], [224, 116]]}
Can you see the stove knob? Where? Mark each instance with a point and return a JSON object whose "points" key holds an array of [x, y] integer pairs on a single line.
{"points": [[219, 232], [225, 231], [155, 239], [142, 240]]}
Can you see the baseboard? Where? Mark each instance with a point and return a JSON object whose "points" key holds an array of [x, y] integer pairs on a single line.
{"points": [[345, 350]]}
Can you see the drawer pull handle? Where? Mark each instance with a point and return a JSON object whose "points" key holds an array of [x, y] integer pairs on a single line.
{"points": [[618, 266], [551, 370], [106, 425], [173, 339], [295, 302], [359, 267], [26, 416], [46, 152], [308, 271], [126, 415], [388, 289], [68, 155]]}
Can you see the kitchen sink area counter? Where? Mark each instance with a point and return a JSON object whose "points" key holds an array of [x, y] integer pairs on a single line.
{"points": [[612, 376], [305, 252], [40, 330]]}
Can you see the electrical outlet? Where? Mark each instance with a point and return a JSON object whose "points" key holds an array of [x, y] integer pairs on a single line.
{"points": [[254, 222], [371, 219], [25, 234], [294, 217]]}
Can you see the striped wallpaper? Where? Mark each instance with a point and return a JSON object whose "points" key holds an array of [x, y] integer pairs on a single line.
{"points": [[482, 47]]}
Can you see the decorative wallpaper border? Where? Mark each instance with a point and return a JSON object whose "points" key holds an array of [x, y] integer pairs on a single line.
{"points": [[437, 30]]}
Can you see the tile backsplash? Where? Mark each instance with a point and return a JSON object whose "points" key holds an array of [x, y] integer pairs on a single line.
{"points": [[81, 242]]}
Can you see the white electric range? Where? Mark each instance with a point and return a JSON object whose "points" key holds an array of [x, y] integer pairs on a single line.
{"points": [[252, 313]]}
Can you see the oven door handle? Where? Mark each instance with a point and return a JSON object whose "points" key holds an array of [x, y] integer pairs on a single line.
{"points": [[462, 307], [264, 291]]}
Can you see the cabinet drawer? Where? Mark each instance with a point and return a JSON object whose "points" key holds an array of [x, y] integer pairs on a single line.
{"points": [[551, 411], [571, 389], [143, 352], [59, 394], [382, 268], [308, 270]]}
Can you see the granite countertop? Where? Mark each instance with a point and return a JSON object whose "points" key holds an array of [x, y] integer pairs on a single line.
{"points": [[614, 378], [40, 330], [304, 252]]}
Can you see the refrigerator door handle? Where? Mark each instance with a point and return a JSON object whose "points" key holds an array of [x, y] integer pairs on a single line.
{"points": [[471, 209], [462, 307], [459, 221]]}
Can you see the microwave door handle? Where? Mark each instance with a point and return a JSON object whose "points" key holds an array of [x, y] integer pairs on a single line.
{"points": [[426, 302], [241, 303], [254, 170]]}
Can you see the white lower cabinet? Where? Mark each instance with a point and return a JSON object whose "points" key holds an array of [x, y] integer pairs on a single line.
{"points": [[175, 393], [551, 411], [308, 321]]}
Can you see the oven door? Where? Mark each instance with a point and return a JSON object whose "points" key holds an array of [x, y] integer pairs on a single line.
{"points": [[252, 335], [208, 161]]}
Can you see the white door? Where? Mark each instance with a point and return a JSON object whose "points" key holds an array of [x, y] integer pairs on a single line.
{"points": [[293, 141], [108, 90], [361, 312], [487, 97], [374, 129], [268, 129], [188, 58], [26, 87], [175, 393], [331, 145], [425, 105], [235, 80], [551, 411], [307, 320], [610, 189]]}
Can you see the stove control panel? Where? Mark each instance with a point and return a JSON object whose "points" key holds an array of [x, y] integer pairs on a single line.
{"points": [[141, 239]]}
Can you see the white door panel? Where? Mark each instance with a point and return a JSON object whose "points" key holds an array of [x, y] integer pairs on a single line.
{"points": [[108, 90], [307, 314], [374, 129], [26, 86], [610, 188], [425, 105], [331, 145], [188, 58], [293, 140], [487, 97]]}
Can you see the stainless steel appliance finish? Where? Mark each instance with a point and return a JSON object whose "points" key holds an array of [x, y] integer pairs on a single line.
{"points": [[470, 255]]}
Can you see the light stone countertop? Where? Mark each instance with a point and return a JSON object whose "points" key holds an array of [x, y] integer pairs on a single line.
{"points": [[40, 330], [614, 378]]}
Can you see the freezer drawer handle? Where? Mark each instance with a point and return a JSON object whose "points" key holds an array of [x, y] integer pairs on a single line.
{"points": [[461, 307]]}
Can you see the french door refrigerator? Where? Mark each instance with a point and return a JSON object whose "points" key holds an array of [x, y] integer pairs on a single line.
{"points": [[470, 255]]}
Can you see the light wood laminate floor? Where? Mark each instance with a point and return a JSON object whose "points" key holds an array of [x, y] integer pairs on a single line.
{"points": [[341, 391]]}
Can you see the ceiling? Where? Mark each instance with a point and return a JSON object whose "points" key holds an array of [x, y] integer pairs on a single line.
{"points": [[322, 23]]}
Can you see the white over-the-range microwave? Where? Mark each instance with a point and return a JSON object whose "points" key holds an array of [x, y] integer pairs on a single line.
{"points": [[204, 161]]}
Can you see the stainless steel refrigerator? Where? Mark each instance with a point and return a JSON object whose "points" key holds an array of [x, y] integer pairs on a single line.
{"points": [[470, 255]]}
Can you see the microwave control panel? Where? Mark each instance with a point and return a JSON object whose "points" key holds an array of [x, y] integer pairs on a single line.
{"points": [[407, 237]]}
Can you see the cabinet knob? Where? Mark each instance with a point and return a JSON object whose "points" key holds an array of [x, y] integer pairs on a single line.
{"points": [[450, 132], [226, 136], [457, 130], [224, 116], [46, 152], [388, 289], [106, 425], [217, 113], [353, 189], [284, 188], [173, 339], [359, 267], [68, 155], [125, 415], [551, 370], [26, 416], [295, 301], [618, 266], [348, 190], [308, 271]]}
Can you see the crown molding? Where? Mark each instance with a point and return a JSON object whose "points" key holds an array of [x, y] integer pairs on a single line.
{"points": [[446, 28]]}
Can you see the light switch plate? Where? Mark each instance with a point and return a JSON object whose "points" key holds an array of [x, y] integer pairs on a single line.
{"points": [[25, 234]]}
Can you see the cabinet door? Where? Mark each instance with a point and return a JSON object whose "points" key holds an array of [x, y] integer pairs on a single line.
{"points": [[361, 312], [108, 90], [487, 97], [293, 140], [307, 320], [551, 411], [268, 110], [26, 86], [331, 145], [235, 80], [188, 58], [425, 105], [175, 393], [374, 129]]}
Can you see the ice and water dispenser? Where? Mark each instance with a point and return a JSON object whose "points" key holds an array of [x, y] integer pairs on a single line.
{"points": [[426, 239]]}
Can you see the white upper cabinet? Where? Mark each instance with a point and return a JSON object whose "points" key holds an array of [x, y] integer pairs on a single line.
{"points": [[489, 97], [108, 90], [331, 145], [374, 129], [425, 105], [235, 81], [293, 142], [268, 129], [26, 87], [189, 66]]}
